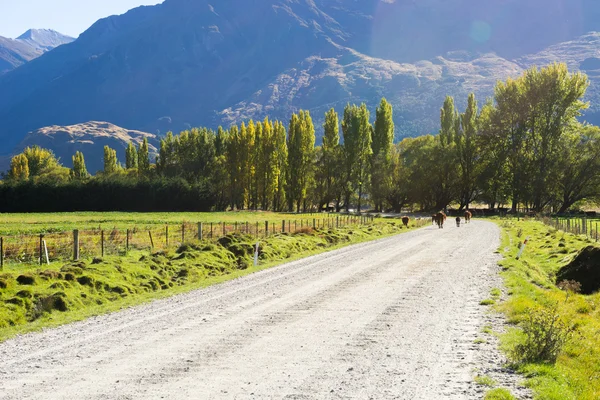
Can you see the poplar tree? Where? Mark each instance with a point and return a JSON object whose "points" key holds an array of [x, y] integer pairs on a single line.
{"points": [[19, 168], [79, 171], [467, 153], [357, 151], [301, 147], [444, 155], [280, 166], [131, 157], [383, 140], [143, 157], [331, 158], [110, 160]]}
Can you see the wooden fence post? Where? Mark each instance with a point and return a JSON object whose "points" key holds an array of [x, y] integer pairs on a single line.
{"points": [[166, 236], [151, 240], [257, 228], [41, 249], [200, 229], [211, 230], [247, 228], [183, 233], [75, 245], [127, 243], [102, 243], [224, 229], [266, 228]]}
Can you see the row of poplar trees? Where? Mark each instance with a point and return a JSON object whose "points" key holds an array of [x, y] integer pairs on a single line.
{"points": [[524, 148], [263, 165]]}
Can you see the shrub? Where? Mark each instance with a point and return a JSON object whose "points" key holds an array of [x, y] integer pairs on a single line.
{"points": [[545, 335]]}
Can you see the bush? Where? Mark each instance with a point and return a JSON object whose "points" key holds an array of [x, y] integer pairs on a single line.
{"points": [[545, 336]]}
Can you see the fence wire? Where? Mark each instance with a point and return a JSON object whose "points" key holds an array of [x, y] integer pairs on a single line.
{"points": [[60, 246]]}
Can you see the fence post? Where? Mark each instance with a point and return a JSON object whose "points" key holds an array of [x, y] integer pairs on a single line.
{"points": [[283, 226], [102, 242], [211, 230], [266, 228], [41, 249], [151, 240], [224, 229], [127, 243], [1, 253], [314, 223], [183, 233], [76, 245], [166, 236], [247, 228], [257, 228], [200, 227]]}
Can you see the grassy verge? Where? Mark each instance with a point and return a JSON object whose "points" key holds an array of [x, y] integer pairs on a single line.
{"points": [[562, 325], [32, 298]]}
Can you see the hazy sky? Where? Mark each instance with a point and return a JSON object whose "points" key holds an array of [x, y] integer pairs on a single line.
{"points": [[70, 17]]}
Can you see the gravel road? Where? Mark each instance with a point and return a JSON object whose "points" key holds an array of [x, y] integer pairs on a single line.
{"points": [[390, 319]]}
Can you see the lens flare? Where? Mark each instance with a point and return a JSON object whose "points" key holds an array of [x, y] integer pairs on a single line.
{"points": [[481, 31]]}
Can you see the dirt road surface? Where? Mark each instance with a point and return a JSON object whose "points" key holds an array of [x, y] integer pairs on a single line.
{"points": [[390, 319]]}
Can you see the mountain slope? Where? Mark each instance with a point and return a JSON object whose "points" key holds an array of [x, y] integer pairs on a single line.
{"points": [[30, 45], [195, 62], [89, 138]]}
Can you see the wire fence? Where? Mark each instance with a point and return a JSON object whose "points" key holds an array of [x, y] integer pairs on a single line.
{"points": [[61, 246], [577, 226]]}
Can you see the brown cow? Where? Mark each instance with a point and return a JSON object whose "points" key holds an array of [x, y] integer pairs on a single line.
{"points": [[405, 221], [468, 216], [433, 219], [440, 218]]}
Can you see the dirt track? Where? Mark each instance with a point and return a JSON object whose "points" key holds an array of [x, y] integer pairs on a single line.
{"points": [[391, 319]]}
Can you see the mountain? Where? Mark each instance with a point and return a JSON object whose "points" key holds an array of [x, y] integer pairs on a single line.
{"points": [[196, 62], [30, 45], [89, 138]]}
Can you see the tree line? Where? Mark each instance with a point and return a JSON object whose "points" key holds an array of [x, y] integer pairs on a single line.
{"points": [[525, 147]]}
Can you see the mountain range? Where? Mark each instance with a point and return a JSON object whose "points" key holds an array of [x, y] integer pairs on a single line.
{"points": [[30, 45], [188, 63]]}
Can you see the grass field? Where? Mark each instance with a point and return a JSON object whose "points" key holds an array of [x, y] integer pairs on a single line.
{"points": [[533, 291], [16, 224], [35, 297]]}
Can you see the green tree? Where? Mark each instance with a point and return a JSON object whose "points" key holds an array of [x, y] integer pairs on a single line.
{"points": [[280, 166], [40, 160], [131, 157], [579, 166], [111, 165], [142, 159], [444, 155], [357, 150], [468, 154], [330, 160], [383, 140], [19, 168], [79, 171], [301, 151]]}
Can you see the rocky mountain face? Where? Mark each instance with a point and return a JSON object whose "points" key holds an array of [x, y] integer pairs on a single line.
{"points": [[89, 138], [203, 63], [30, 45]]}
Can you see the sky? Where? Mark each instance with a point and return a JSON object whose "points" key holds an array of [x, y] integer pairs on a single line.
{"points": [[69, 17]]}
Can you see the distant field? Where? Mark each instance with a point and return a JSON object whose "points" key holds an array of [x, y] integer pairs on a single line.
{"points": [[15, 224]]}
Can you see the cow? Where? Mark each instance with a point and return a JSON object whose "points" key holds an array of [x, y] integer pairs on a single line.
{"points": [[440, 218], [405, 221], [433, 219], [468, 216]]}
